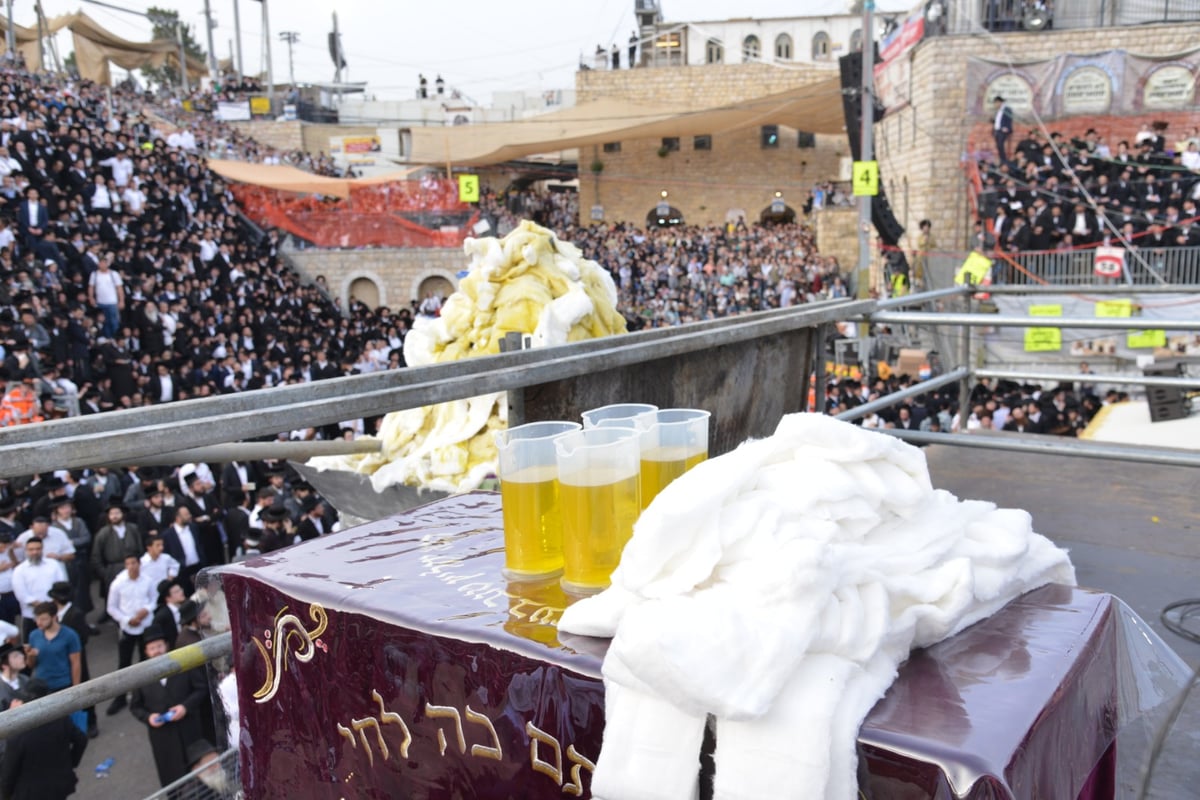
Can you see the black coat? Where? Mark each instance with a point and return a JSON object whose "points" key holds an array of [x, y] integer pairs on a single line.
{"points": [[40, 764], [169, 743]]}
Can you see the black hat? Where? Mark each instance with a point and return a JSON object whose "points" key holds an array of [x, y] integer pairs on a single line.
{"points": [[59, 502], [7, 648], [198, 750], [41, 518], [189, 611], [309, 503], [997, 99], [189, 478], [116, 503], [275, 513], [153, 634], [52, 483], [61, 590], [153, 490], [146, 474], [302, 486]]}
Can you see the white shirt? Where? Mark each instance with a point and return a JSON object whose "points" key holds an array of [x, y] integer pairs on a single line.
{"points": [[208, 250], [190, 554], [55, 541], [999, 123], [32, 582], [135, 199], [105, 284], [126, 597], [160, 569]]}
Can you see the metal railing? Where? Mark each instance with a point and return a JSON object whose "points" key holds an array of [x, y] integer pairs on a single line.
{"points": [[1145, 266], [219, 779], [138, 433]]}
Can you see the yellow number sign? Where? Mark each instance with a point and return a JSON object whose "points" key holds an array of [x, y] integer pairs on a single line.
{"points": [[1040, 340], [866, 178], [468, 188]]}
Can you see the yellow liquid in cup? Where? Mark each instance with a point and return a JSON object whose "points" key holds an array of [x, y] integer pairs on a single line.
{"points": [[533, 530], [662, 465], [597, 522]]}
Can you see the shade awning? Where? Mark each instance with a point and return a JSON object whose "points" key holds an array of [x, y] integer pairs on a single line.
{"points": [[291, 179], [815, 107]]}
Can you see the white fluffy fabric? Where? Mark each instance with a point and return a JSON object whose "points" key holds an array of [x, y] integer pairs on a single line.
{"points": [[779, 587]]}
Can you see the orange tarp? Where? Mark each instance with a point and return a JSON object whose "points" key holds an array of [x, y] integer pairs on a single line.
{"points": [[291, 179]]}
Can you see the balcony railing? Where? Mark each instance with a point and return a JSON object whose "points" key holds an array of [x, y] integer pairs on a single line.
{"points": [[1143, 266]]}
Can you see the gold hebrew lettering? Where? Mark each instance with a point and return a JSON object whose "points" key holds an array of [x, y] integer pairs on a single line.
{"points": [[536, 735], [392, 718], [447, 712], [575, 787], [483, 751], [361, 725], [349, 734]]}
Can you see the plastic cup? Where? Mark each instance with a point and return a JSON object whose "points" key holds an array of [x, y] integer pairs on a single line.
{"points": [[604, 416], [600, 500], [529, 498], [675, 441]]}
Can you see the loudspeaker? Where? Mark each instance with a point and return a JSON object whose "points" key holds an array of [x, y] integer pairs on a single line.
{"points": [[1166, 402], [889, 228]]}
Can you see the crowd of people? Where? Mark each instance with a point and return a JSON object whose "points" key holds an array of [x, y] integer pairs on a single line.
{"points": [[1063, 409], [128, 279], [1063, 193]]}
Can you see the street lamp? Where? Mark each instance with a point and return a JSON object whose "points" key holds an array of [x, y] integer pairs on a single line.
{"points": [[291, 37]]}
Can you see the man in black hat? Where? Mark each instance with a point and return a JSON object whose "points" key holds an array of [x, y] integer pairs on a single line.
{"points": [[169, 707], [155, 516], [312, 524], [113, 543], [69, 616], [1002, 127], [39, 764], [277, 528], [12, 673], [205, 761]]}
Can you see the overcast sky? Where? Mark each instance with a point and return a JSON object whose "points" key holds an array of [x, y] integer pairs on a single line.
{"points": [[477, 46]]}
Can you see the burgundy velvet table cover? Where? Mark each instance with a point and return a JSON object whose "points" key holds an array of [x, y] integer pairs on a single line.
{"points": [[393, 660]]}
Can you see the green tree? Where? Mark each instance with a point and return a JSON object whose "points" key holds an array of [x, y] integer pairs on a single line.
{"points": [[164, 21], [69, 64]]}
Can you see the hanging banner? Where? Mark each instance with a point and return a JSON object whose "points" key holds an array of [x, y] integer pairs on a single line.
{"points": [[1109, 262], [1145, 339], [1041, 340], [1112, 82]]}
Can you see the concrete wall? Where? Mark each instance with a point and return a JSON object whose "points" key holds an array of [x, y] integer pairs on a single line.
{"points": [[736, 175], [836, 231], [398, 273], [920, 147]]}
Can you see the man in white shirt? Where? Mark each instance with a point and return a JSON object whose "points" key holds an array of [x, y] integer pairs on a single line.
{"points": [[32, 580], [158, 565], [56, 545], [131, 600]]}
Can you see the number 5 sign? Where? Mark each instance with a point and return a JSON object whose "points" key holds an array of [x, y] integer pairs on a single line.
{"points": [[468, 188], [866, 178]]}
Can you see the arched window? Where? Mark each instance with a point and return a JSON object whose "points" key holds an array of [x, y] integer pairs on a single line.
{"points": [[751, 48], [820, 50], [714, 52], [856, 41], [783, 47]]}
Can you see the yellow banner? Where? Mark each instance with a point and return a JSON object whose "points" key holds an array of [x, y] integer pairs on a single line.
{"points": [[1040, 340], [260, 105], [1139, 339], [1114, 308]]}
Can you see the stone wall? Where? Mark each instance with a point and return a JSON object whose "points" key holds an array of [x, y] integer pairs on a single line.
{"points": [[282, 135], [397, 273], [736, 177], [920, 147], [836, 232]]}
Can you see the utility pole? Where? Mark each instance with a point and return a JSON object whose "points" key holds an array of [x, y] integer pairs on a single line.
{"points": [[291, 37], [862, 277], [12, 35], [212, 52], [237, 36], [183, 76], [266, 21], [337, 61]]}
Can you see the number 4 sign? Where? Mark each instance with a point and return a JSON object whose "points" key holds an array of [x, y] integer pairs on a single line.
{"points": [[866, 178]]}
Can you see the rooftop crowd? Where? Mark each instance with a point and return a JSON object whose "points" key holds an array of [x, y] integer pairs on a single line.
{"points": [[1066, 192]]}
